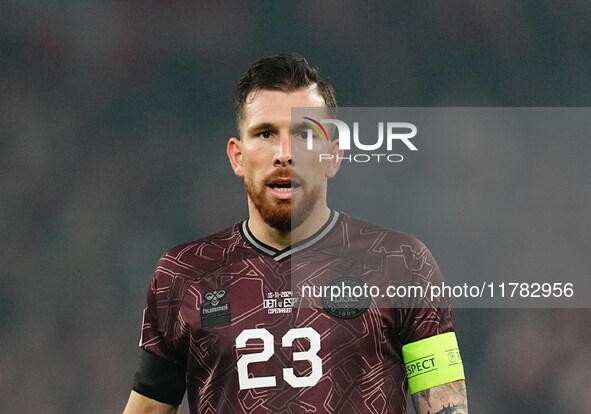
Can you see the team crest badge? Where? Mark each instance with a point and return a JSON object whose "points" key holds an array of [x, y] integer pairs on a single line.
{"points": [[346, 305]]}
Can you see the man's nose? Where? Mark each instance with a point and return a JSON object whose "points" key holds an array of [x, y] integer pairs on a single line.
{"points": [[283, 151]]}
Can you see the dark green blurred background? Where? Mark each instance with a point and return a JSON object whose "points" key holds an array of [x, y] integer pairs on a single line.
{"points": [[114, 116]]}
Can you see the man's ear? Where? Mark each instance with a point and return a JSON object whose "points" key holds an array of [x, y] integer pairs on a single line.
{"points": [[335, 161], [235, 156]]}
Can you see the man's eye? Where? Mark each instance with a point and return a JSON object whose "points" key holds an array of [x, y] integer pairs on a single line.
{"points": [[265, 134], [302, 135]]}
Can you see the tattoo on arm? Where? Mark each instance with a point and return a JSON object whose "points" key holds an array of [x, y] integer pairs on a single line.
{"points": [[448, 398]]}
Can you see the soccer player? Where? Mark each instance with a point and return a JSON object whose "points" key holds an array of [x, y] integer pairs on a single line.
{"points": [[223, 323]]}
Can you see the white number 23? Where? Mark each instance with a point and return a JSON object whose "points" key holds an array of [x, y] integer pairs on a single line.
{"points": [[268, 351]]}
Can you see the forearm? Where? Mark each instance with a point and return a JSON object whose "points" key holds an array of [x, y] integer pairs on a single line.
{"points": [[448, 398]]}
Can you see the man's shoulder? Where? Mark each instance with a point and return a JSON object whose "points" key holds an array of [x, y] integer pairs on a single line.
{"points": [[205, 254], [362, 230], [372, 244]]}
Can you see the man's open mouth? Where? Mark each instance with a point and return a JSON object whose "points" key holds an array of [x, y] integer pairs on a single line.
{"points": [[284, 186]]}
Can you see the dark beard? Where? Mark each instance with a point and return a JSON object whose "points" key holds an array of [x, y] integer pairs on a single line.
{"points": [[278, 213]]}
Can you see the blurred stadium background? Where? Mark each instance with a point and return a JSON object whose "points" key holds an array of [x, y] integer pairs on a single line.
{"points": [[113, 121]]}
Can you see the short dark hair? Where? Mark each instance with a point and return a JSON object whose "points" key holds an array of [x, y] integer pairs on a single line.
{"points": [[285, 72]]}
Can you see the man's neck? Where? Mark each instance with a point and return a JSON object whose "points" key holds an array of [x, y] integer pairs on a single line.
{"points": [[280, 239]]}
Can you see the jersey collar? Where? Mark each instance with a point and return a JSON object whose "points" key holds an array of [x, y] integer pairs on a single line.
{"points": [[279, 255]]}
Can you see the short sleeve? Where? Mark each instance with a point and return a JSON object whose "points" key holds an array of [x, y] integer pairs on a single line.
{"points": [[426, 317], [160, 330]]}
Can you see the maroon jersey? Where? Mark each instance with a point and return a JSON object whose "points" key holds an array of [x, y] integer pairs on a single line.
{"points": [[224, 308]]}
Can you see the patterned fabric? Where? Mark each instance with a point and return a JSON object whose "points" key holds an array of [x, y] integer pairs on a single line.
{"points": [[230, 310]]}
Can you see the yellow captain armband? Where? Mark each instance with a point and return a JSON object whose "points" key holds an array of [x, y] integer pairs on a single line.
{"points": [[432, 361]]}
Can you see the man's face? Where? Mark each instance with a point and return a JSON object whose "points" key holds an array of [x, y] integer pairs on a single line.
{"points": [[283, 190]]}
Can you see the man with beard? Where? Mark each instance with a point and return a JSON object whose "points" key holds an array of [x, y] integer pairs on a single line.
{"points": [[223, 322]]}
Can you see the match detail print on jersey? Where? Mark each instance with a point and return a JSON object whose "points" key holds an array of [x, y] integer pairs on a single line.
{"points": [[432, 361]]}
